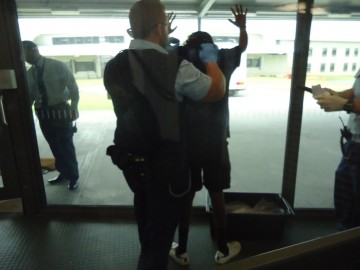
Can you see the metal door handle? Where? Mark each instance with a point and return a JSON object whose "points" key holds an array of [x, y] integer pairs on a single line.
{"points": [[2, 111]]}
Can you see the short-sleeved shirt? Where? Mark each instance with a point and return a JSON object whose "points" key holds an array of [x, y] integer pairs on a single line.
{"points": [[208, 130], [354, 119], [212, 118], [59, 81], [190, 82]]}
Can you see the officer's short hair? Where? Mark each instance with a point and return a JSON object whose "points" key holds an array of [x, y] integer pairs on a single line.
{"points": [[144, 16]]}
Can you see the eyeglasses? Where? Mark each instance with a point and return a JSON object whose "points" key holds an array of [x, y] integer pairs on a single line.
{"points": [[129, 30]]}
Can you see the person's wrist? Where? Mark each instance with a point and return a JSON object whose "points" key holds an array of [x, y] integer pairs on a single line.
{"points": [[209, 59], [348, 106], [243, 28]]}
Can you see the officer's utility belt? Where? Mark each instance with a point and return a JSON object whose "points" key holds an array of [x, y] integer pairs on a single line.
{"points": [[59, 112], [165, 164], [125, 160], [130, 160]]}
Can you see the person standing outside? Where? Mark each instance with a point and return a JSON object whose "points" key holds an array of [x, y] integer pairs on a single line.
{"points": [[208, 130], [51, 86], [147, 85], [347, 175]]}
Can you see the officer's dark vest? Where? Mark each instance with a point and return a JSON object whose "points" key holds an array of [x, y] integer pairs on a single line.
{"points": [[141, 84]]}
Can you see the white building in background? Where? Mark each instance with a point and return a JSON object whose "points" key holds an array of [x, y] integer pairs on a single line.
{"points": [[86, 46], [86, 55], [333, 58]]}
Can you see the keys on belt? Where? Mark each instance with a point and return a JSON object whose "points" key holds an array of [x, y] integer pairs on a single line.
{"points": [[135, 158]]}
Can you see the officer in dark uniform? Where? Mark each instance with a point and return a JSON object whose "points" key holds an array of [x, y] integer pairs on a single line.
{"points": [[147, 85], [52, 85]]}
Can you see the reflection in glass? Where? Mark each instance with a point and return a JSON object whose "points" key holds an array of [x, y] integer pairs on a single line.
{"points": [[258, 113], [256, 152], [1, 180]]}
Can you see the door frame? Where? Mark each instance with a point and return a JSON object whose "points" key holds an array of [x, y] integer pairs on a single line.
{"points": [[22, 176]]}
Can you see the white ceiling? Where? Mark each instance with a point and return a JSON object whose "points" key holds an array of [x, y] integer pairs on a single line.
{"points": [[341, 9]]}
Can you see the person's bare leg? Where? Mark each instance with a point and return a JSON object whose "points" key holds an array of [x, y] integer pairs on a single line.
{"points": [[220, 219]]}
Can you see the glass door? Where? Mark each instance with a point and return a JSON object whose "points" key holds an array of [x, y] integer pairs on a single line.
{"points": [[19, 162], [9, 187]]}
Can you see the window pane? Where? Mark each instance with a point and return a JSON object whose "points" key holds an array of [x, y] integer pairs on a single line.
{"points": [[319, 147], [258, 114], [324, 53], [1, 181]]}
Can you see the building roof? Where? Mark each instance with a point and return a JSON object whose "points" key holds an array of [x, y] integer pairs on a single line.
{"points": [[349, 9]]}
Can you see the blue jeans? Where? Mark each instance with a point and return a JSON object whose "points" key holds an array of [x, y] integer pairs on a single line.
{"points": [[347, 187], [60, 140]]}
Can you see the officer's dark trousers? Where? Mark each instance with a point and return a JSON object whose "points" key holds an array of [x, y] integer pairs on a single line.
{"points": [[60, 140], [347, 187], [157, 214]]}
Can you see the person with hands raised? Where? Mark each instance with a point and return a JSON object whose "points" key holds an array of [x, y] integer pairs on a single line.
{"points": [[207, 132]]}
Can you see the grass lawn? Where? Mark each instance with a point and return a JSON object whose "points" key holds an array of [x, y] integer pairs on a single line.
{"points": [[93, 95], [94, 101]]}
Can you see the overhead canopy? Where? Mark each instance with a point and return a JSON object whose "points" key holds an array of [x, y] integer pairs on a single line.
{"points": [[334, 9]]}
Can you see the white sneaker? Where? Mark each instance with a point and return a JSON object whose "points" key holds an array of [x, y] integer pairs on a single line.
{"points": [[182, 259], [234, 249]]}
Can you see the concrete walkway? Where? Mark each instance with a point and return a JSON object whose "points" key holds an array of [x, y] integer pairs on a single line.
{"points": [[257, 146]]}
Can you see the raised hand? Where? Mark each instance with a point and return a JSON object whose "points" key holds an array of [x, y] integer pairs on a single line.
{"points": [[240, 16], [170, 18]]}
